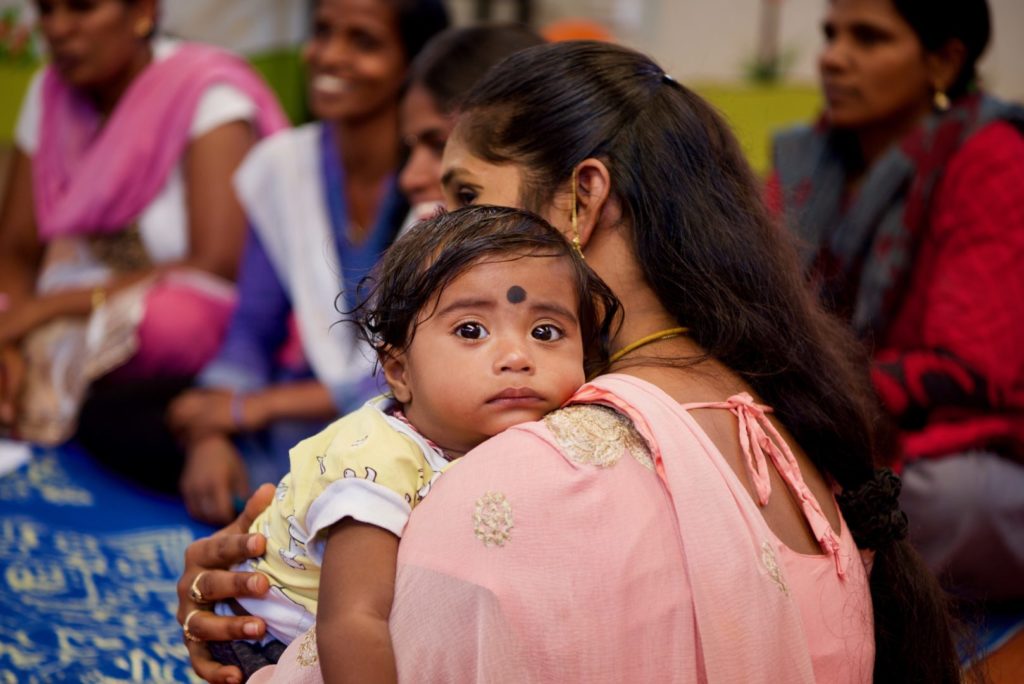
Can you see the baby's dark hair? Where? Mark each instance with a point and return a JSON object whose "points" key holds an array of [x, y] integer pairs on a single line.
{"points": [[420, 264]]}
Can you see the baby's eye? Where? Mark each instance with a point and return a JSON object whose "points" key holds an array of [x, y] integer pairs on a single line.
{"points": [[471, 331], [465, 196], [547, 333]]}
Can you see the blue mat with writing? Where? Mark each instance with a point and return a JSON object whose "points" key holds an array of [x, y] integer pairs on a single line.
{"points": [[88, 565]]}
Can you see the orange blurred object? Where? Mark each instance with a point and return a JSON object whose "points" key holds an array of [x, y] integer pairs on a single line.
{"points": [[576, 29]]}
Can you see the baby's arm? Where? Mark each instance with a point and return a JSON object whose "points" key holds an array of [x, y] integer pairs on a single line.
{"points": [[357, 587]]}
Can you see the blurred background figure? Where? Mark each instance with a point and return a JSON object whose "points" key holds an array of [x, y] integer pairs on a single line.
{"points": [[120, 233], [907, 192], [438, 80], [322, 203]]}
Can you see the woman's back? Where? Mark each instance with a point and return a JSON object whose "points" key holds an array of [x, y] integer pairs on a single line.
{"points": [[703, 588]]}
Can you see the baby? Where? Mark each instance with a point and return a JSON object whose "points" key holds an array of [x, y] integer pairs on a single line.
{"points": [[481, 320]]}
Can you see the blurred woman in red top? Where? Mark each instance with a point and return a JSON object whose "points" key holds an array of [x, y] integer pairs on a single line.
{"points": [[907, 193]]}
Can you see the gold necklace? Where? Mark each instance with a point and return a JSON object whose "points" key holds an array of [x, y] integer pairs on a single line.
{"points": [[649, 339]]}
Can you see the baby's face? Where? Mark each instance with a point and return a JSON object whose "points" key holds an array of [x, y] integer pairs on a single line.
{"points": [[502, 347]]}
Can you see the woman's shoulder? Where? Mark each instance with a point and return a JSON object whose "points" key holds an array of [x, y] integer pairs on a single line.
{"points": [[996, 147], [797, 146], [282, 145], [277, 158], [592, 431], [26, 131], [355, 427], [983, 178], [595, 434]]}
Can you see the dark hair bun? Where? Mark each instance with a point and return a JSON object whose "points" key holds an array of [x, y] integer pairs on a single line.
{"points": [[872, 511]]}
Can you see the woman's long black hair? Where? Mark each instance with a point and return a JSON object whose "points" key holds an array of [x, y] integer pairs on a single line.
{"points": [[716, 260]]}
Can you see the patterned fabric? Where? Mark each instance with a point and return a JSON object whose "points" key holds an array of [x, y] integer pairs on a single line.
{"points": [[369, 466], [88, 568], [924, 259], [597, 435]]}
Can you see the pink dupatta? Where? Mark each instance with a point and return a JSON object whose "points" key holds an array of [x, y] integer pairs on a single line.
{"points": [[91, 176], [565, 551]]}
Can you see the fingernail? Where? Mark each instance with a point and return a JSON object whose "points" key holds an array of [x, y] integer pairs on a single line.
{"points": [[252, 545], [232, 679], [251, 629], [253, 583]]}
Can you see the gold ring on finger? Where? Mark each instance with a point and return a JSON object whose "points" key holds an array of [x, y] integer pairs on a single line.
{"points": [[184, 627], [194, 592]]}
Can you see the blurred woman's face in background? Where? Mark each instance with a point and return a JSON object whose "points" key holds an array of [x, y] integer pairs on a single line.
{"points": [[874, 70], [425, 129], [355, 58], [94, 42]]}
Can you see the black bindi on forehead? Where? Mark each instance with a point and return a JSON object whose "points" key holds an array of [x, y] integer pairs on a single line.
{"points": [[516, 294]]}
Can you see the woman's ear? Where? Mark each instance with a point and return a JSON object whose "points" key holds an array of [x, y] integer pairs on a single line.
{"points": [[593, 191], [393, 365], [146, 17], [944, 64]]}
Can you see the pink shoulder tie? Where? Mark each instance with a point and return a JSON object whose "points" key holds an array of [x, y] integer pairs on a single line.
{"points": [[757, 436]]}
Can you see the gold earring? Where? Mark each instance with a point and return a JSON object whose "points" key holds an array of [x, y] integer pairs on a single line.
{"points": [[940, 101], [575, 221], [143, 27]]}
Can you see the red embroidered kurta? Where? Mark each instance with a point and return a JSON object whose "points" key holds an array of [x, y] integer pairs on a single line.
{"points": [[950, 367]]}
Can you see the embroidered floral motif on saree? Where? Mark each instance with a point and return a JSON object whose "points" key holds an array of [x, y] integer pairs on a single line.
{"points": [[597, 435], [492, 519]]}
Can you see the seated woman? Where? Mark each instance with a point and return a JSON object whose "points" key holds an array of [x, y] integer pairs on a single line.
{"points": [[323, 204], [666, 525], [908, 192], [439, 79], [120, 233]]}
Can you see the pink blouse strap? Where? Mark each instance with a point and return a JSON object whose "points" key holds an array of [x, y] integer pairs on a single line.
{"points": [[757, 437]]}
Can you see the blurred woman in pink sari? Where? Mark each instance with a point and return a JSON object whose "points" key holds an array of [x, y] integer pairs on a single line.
{"points": [[120, 232]]}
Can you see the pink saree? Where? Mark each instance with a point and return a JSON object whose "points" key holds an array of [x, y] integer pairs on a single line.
{"points": [[91, 176], [91, 180], [586, 547]]}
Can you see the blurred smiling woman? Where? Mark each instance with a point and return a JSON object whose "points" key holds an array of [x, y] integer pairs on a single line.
{"points": [[323, 203], [119, 212]]}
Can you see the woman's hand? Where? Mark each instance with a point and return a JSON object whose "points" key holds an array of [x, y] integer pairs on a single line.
{"points": [[200, 413], [21, 319], [206, 574], [214, 475], [206, 563], [12, 380]]}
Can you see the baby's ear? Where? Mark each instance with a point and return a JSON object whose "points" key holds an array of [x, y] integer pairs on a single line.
{"points": [[393, 365]]}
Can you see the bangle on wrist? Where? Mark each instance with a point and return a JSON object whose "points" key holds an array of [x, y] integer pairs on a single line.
{"points": [[238, 410], [98, 297]]}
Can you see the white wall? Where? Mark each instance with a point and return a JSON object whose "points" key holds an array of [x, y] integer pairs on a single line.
{"points": [[696, 40], [247, 26], [702, 40]]}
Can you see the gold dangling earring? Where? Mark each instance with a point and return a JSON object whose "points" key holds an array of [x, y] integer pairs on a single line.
{"points": [[575, 221], [940, 101]]}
